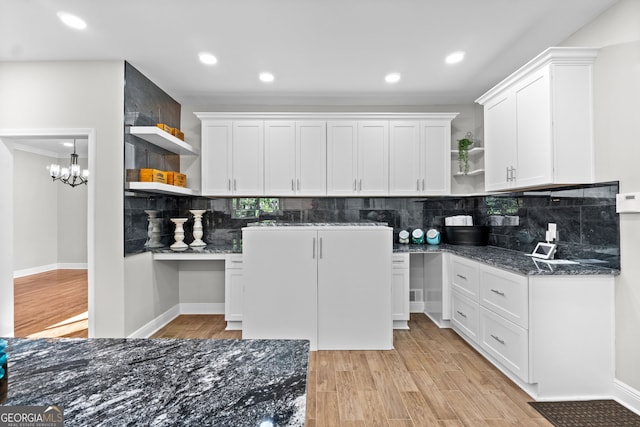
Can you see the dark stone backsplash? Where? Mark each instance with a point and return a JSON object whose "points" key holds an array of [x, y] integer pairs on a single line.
{"points": [[588, 225]]}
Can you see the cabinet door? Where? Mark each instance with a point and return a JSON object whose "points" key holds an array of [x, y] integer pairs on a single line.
{"points": [[341, 158], [248, 158], [216, 158], [354, 296], [435, 143], [279, 158], [311, 158], [533, 127], [405, 178], [500, 142], [281, 276], [400, 284], [373, 158], [233, 292]]}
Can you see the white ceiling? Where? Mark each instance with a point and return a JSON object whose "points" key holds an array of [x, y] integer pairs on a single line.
{"points": [[53, 146], [322, 52]]}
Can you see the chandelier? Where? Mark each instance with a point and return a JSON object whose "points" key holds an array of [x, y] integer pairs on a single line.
{"points": [[72, 175]]}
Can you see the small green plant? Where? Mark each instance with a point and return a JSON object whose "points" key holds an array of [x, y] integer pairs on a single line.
{"points": [[463, 152]]}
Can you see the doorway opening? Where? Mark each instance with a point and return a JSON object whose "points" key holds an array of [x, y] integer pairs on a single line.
{"points": [[46, 271]]}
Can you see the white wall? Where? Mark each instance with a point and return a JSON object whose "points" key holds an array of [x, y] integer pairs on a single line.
{"points": [[617, 110], [53, 95], [50, 219], [35, 207]]}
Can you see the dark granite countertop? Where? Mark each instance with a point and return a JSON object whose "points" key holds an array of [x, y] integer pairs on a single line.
{"points": [[222, 247], [506, 259], [316, 224], [160, 382]]}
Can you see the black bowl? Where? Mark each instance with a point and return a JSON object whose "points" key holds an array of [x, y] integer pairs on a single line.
{"points": [[470, 235]]}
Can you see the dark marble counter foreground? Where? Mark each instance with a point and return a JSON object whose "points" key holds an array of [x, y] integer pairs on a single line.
{"points": [[506, 259], [162, 382]]}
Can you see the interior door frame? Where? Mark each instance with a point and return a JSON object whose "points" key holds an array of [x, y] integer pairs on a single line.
{"points": [[7, 138]]}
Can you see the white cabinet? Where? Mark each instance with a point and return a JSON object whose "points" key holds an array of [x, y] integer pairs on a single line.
{"points": [[233, 292], [327, 285], [552, 335], [419, 157], [232, 158], [539, 122], [295, 158], [358, 158], [400, 286]]}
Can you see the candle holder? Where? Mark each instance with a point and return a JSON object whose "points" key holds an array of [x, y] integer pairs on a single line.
{"points": [[153, 230], [197, 228], [179, 245]]}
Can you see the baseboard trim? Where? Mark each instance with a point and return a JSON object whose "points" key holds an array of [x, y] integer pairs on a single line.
{"points": [[49, 267], [156, 324], [201, 308], [626, 395]]}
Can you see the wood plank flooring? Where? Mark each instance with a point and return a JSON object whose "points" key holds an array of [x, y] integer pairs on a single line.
{"points": [[51, 304], [431, 378]]}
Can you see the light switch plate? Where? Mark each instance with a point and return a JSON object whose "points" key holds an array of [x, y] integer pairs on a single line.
{"points": [[628, 203]]}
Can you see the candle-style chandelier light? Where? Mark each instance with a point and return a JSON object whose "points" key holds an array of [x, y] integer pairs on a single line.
{"points": [[73, 175]]}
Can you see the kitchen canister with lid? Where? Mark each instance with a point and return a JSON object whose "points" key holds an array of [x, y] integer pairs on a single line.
{"points": [[433, 237], [403, 237], [417, 237]]}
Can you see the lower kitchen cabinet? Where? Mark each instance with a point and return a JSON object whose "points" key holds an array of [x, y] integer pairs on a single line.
{"points": [[400, 284], [551, 334], [329, 285], [234, 292]]}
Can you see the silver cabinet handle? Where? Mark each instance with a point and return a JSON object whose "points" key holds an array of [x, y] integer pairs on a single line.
{"points": [[495, 291], [320, 250], [229, 184], [461, 276], [292, 185], [298, 182], [354, 184], [360, 184], [497, 339], [508, 174], [461, 314], [513, 173], [314, 248], [422, 184], [235, 186]]}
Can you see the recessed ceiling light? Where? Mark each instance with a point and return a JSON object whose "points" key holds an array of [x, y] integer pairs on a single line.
{"points": [[68, 144], [72, 21], [266, 77], [392, 78], [455, 57], [207, 58]]}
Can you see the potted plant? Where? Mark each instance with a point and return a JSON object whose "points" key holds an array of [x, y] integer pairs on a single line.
{"points": [[463, 152]]}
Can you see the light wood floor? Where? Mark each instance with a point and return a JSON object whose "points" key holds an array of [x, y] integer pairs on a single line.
{"points": [[432, 378], [51, 304]]}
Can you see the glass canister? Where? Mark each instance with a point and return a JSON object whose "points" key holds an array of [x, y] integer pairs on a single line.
{"points": [[417, 237]]}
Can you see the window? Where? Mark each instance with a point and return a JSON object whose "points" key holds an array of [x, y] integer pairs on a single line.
{"points": [[501, 205], [254, 206]]}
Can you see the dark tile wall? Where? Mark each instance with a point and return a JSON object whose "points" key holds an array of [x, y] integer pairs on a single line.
{"points": [[587, 223]]}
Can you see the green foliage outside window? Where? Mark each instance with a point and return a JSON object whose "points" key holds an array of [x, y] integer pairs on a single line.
{"points": [[252, 207], [501, 205]]}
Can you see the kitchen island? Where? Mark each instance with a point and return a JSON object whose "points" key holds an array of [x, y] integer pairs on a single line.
{"points": [[162, 381]]}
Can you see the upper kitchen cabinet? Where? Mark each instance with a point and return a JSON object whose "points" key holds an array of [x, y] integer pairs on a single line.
{"points": [[539, 122], [232, 157], [358, 158], [420, 156], [295, 158]]}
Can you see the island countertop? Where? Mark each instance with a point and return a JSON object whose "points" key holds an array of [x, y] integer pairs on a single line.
{"points": [[162, 381]]}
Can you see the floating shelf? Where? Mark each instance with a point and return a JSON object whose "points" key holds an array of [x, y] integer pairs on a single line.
{"points": [[473, 151], [156, 187], [475, 172], [160, 138]]}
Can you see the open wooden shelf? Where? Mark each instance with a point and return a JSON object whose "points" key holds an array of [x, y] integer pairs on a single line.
{"points": [[160, 138]]}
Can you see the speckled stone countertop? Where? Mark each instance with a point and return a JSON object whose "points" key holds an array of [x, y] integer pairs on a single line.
{"points": [[162, 382], [226, 247], [506, 259], [316, 224]]}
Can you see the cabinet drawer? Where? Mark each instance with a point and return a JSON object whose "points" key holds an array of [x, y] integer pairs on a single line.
{"points": [[506, 341], [464, 315], [233, 261], [400, 260], [506, 294], [464, 277]]}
